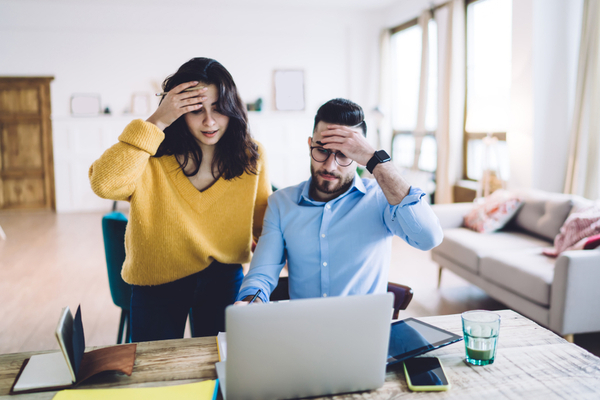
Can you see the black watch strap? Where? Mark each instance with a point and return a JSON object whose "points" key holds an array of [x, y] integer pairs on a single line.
{"points": [[379, 157]]}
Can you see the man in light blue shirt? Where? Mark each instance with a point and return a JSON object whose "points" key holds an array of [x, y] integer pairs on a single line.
{"points": [[335, 230]]}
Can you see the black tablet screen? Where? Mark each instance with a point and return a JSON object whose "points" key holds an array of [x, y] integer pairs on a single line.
{"points": [[411, 337]]}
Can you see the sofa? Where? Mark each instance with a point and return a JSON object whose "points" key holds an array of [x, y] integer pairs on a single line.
{"points": [[560, 293]]}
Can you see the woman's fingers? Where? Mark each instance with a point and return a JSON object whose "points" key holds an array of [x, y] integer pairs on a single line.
{"points": [[182, 86], [192, 93], [178, 102], [192, 100], [190, 108]]}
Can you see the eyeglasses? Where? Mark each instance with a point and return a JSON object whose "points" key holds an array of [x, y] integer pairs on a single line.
{"points": [[320, 154]]}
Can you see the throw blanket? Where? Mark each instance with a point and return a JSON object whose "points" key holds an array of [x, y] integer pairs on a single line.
{"points": [[575, 232]]}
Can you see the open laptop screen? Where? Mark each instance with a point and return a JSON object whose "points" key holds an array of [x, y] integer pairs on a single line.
{"points": [[411, 337]]}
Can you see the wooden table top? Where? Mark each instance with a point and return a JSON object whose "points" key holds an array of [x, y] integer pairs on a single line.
{"points": [[531, 363]]}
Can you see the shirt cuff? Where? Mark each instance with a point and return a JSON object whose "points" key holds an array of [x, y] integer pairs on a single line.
{"points": [[251, 291]]}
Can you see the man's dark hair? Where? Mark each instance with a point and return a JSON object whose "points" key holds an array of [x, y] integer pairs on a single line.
{"points": [[341, 112], [235, 153]]}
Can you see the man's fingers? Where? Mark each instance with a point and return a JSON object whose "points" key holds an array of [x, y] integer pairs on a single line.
{"points": [[333, 140]]}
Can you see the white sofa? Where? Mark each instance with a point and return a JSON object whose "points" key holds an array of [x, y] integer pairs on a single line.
{"points": [[562, 294]]}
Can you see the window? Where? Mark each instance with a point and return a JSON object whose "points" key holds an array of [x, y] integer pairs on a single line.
{"points": [[489, 25], [406, 43]]}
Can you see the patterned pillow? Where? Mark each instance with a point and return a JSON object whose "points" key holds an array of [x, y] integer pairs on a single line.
{"points": [[492, 212]]}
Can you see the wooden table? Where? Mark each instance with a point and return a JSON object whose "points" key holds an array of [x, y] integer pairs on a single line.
{"points": [[531, 363]]}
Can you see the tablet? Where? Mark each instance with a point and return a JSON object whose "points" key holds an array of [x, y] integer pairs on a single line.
{"points": [[411, 337]]}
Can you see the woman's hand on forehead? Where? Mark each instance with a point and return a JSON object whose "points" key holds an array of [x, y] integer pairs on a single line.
{"points": [[178, 102]]}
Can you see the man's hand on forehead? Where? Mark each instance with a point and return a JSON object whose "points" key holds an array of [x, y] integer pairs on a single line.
{"points": [[348, 140]]}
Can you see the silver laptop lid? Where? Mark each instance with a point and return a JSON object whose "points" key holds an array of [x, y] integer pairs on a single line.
{"points": [[310, 347]]}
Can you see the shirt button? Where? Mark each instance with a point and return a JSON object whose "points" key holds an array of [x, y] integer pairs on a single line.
{"points": [[324, 264], [324, 294], [328, 206], [323, 235]]}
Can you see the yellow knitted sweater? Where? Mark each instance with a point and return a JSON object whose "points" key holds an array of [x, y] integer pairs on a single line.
{"points": [[174, 230]]}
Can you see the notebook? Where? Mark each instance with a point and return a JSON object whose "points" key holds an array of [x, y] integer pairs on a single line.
{"points": [[309, 347], [71, 366]]}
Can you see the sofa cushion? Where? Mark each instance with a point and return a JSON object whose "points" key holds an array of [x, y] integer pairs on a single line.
{"points": [[492, 212], [527, 273], [543, 217], [465, 246]]}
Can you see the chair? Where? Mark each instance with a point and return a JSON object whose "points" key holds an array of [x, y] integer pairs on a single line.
{"points": [[402, 294], [113, 230]]}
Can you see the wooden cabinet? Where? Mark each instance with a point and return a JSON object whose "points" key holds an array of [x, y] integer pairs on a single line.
{"points": [[26, 165]]}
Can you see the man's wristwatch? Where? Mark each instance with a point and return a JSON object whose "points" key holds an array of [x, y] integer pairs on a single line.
{"points": [[379, 157]]}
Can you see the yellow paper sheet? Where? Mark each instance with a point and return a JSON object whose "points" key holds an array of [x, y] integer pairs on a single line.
{"points": [[196, 391]]}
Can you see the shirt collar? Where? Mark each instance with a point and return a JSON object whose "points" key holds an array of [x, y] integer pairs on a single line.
{"points": [[304, 198]]}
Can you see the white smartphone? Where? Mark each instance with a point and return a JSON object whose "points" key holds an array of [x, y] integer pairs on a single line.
{"points": [[425, 374]]}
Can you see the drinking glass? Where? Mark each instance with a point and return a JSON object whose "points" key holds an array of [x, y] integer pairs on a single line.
{"points": [[480, 329]]}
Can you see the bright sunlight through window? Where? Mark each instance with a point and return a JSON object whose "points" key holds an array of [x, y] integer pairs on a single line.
{"points": [[489, 26], [406, 67]]}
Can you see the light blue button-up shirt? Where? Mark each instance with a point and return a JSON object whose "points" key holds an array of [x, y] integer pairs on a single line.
{"points": [[336, 248]]}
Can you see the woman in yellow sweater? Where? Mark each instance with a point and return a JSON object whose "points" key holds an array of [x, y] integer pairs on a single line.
{"points": [[198, 186]]}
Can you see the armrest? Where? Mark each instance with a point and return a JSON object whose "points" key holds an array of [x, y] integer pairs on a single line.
{"points": [[574, 296], [451, 215]]}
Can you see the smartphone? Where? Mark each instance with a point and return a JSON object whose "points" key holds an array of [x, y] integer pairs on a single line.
{"points": [[425, 374]]}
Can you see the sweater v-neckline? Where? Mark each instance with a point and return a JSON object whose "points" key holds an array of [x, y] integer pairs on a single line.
{"points": [[189, 192]]}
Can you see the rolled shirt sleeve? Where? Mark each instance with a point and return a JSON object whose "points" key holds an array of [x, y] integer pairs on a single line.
{"points": [[414, 221]]}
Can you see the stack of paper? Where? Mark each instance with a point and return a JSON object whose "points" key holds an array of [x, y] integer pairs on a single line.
{"points": [[220, 366]]}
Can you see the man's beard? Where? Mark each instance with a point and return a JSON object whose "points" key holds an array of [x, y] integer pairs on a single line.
{"points": [[329, 187]]}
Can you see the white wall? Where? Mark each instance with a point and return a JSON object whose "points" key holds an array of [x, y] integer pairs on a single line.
{"points": [[557, 26], [116, 48], [519, 137], [545, 50]]}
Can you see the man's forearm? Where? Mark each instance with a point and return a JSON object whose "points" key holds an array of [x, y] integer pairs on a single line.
{"points": [[393, 185]]}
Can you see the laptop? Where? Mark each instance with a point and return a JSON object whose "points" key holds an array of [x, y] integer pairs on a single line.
{"points": [[309, 347]]}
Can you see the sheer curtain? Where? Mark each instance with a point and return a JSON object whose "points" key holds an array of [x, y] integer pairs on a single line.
{"points": [[420, 129], [583, 168], [450, 21]]}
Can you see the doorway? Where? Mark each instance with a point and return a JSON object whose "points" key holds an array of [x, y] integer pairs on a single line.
{"points": [[26, 162]]}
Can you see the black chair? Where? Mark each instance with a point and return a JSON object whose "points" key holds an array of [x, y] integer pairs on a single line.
{"points": [[402, 294]]}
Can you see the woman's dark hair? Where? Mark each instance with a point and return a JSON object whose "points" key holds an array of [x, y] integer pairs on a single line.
{"points": [[235, 153], [342, 112]]}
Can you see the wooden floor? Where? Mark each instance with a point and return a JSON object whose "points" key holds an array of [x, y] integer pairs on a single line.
{"points": [[53, 260]]}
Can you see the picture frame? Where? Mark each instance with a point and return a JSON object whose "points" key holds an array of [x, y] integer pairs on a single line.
{"points": [[140, 103], [289, 90]]}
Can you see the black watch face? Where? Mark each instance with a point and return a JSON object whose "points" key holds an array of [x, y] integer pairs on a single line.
{"points": [[382, 156]]}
